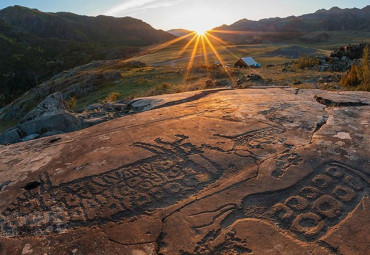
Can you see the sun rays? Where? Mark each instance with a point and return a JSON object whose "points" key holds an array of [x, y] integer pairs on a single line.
{"points": [[200, 48]]}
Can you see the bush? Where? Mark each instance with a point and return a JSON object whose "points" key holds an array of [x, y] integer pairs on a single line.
{"points": [[351, 79], [307, 62], [358, 77], [71, 102], [159, 89], [112, 97], [365, 70], [219, 74]]}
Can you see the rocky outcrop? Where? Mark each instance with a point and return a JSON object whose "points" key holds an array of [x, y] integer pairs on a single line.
{"points": [[350, 51], [51, 115], [257, 171], [75, 82], [11, 136]]}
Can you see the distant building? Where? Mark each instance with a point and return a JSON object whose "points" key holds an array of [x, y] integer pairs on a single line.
{"points": [[247, 62]]}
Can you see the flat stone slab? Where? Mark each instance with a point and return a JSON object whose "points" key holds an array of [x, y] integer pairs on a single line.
{"points": [[257, 171]]}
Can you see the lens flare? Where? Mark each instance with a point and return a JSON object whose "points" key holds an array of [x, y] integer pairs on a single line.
{"points": [[200, 32], [200, 42]]}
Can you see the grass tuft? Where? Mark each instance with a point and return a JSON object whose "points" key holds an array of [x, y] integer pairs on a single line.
{"points": [[112, 97], [72, 102], [307, 62]]}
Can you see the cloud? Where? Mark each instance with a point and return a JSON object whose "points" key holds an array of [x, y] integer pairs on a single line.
{"points": [[138, 6]]}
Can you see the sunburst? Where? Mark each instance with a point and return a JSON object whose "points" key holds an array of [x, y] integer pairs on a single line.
{"points": [[198, 42]]}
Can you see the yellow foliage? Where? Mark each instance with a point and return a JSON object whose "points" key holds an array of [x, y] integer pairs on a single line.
{"points": [[159, 89], [351, 79], [358, 77], [307, 62], [71, 102], [114, 96]]}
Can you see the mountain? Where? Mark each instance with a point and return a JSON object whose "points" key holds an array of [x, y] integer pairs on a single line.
{"points": [[295, 28], [35, 45], [103, 30], [179, 32]]}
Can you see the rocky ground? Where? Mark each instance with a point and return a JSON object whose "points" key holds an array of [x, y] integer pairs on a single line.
{"points": [[248, 171]]}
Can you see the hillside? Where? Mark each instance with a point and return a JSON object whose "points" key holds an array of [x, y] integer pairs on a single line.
{"points": [[179, 32], [295, 28], [35, 45]]}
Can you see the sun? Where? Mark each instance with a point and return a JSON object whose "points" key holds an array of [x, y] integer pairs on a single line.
{"points": [[200, 31]]}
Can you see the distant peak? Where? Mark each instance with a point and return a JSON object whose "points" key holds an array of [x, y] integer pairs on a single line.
{"points": [[241, 21], [321, 11], [335, 8]]}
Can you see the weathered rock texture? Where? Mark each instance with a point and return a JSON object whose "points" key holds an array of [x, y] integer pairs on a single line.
{"points": [[51, 115], [259, 171]]}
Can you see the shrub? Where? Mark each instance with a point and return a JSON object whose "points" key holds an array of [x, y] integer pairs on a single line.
{"points": [[71, 102], [307, 62], [219, 74], [365, 70], [351, 79], [114, 96], [358, 77], [159, 89]]}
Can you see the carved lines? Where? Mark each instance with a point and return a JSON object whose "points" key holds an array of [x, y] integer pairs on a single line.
{"points": [[130, 190]]}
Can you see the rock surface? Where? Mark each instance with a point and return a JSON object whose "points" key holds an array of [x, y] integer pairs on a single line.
{"points": [[257, 171], [50, 115]]}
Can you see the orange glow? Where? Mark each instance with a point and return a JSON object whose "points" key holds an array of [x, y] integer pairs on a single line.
{"points": [[220, 59], [205, 52], [187, 45], [191, 61], [166, 44], [203, 38], [224, 45], [218, 39]]}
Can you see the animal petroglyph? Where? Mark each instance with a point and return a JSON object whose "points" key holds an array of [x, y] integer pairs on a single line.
{"points": [[307, 210]]}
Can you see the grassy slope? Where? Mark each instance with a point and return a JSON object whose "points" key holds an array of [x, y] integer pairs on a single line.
{"points": [[167, 71]]}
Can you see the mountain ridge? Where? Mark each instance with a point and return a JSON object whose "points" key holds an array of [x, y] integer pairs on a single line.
{"points": [[35, 45], [363, 13], [295, 28]]}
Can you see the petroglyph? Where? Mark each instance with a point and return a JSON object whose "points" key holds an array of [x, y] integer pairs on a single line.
{"points": [[130, 190], [177, 170], [307, 210], [249, 143]]}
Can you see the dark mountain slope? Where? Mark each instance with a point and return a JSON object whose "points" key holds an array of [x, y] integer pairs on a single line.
{"points": [[104, 30], [35, 45]]}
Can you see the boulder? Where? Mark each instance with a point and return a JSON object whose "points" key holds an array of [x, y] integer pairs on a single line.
{"points": [[30, 137], [51, 114], [53, 132], [57, 120], [10, 136], [254, 77], [142, 105]]}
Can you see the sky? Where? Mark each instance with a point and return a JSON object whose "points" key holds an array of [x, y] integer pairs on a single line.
{"points": [[198, 15]]}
